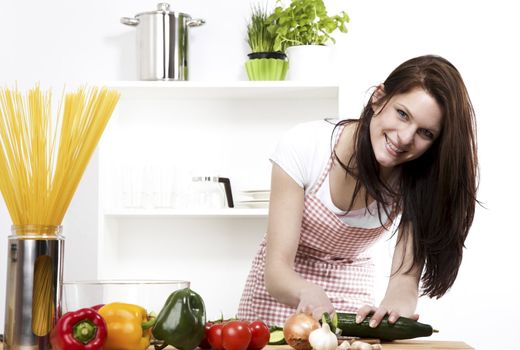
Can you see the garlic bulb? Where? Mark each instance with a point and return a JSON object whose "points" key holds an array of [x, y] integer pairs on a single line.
{"points": [[323, 338]]}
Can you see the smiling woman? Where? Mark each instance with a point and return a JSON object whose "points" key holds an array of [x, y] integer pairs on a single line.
{"points": [[411, 155]]}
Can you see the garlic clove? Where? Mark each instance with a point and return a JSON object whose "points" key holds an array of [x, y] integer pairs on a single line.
{"points": [[359, 345], [345, 345]]}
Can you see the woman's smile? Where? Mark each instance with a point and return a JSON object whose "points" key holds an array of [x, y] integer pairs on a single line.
{"points": [[392, 148]]}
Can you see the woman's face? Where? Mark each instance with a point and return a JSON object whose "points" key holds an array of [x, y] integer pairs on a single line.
{"points": [[405, 128]]}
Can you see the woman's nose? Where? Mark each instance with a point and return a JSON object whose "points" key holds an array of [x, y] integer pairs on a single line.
{"points": [[406, 135]]}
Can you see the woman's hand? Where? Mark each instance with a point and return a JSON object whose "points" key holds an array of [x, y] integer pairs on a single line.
{"points": [[393, 308], [314, 301]]}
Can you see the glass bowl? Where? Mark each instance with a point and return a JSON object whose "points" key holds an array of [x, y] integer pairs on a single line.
{"points": [[149, 294]]}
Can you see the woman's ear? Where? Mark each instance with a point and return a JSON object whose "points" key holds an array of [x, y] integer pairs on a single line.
{"points": [[376, 97]]}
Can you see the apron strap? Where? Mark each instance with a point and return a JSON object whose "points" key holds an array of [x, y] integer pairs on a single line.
{"points": [[326, 171]]}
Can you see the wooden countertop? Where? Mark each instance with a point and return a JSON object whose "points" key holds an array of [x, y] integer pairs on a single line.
{"points": [[395, 345], [403, 345]]}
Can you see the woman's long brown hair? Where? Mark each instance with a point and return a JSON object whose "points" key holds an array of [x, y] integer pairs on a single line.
{"points": [[436, 193]]}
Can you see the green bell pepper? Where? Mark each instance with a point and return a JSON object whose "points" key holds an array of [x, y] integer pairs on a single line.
{"points": [[181, 321]]}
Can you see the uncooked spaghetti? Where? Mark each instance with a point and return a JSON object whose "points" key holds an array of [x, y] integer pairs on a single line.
{"points": [[42, 158], [43, 301]]}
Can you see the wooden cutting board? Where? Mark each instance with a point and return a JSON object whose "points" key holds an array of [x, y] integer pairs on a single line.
{"points": [[404, 345]]}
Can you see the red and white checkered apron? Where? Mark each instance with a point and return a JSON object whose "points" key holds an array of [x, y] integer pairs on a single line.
{"points": [[330, 254]]}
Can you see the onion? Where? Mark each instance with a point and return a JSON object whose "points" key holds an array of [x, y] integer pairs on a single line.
{"points": [[296, 330]]}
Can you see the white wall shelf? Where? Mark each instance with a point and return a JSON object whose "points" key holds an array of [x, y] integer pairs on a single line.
{"points": [[186, 129], [261, 90], [224, 213]]}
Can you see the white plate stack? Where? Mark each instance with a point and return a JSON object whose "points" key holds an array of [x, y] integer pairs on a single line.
{"points": [[253, 199]]}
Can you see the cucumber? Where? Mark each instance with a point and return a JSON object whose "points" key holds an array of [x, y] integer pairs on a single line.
{"points": [[332, 322], [403, 328], [276, 337]]}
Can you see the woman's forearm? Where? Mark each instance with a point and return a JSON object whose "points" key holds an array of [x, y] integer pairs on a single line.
{"points": [[283, 235], [404, 287], [283, 283]]}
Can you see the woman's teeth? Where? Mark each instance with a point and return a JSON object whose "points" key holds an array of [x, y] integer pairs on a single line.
{"points": [[392, 146]]}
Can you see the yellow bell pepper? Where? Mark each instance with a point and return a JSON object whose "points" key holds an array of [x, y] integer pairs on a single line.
{"points": [[128, 327]]}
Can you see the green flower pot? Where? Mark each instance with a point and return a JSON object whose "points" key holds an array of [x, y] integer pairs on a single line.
{"points": [[267, 66]]}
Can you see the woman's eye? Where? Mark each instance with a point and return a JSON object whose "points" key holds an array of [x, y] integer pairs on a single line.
{"points": [[402, 114], [427, 133]]}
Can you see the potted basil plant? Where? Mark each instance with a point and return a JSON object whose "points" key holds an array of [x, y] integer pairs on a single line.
{"points": [[304, 30], [265, 63]]}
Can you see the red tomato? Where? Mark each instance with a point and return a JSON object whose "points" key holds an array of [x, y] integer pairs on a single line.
{"points": [[236, 335], [204, 343], [214, 336], [259, 335]]}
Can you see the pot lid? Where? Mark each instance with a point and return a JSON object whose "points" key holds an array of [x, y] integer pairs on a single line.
{"points": [[162, 8]]}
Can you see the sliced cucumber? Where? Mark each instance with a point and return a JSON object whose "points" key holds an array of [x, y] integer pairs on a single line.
{"points": [[332, 322], [277, 337]]}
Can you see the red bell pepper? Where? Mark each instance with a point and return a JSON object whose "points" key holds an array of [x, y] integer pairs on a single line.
{"points": [[97, 307], [83, 329]]}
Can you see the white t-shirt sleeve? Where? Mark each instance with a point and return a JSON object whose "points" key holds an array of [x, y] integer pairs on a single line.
{"points": [[302, 151]]}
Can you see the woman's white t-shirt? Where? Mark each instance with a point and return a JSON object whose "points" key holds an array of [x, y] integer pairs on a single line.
{"points": [[304, 152]]}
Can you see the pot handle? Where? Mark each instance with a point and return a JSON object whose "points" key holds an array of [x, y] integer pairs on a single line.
{"points": [[129, 21], [195, 22]]}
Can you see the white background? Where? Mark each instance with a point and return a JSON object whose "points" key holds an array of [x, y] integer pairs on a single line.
{"points": [[57, 42]]}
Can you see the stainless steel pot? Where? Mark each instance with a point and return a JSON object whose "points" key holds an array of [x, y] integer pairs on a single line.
{"points": [[162, 43]]}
